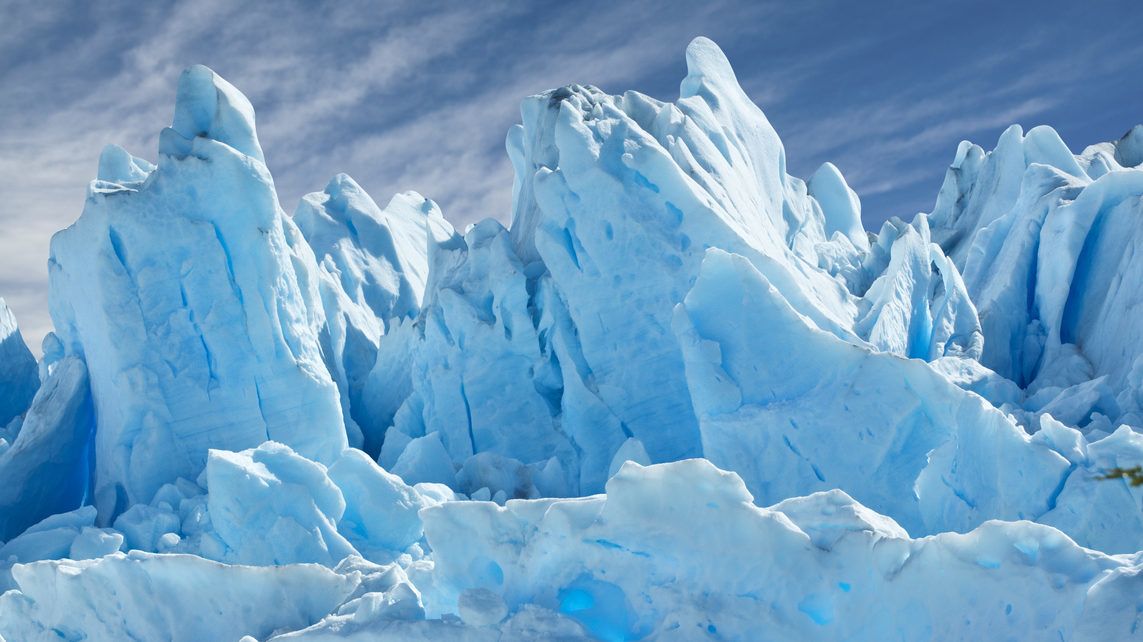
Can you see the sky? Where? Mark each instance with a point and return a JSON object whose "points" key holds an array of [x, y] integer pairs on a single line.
{"points": [[419, 95]]}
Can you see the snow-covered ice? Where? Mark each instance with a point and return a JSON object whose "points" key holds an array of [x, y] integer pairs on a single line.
{"points": [[681, 551]]}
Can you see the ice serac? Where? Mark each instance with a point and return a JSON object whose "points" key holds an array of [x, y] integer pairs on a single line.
{"points": [[195, 305], [840, 205], [18, 378], [918, 307], [981, 187], [372, 268], [832, 414], [477, 373], [380, 256], [615, 194], [48, 467], [616, 199], [1046, 241], [819, 567], [207, 106]]}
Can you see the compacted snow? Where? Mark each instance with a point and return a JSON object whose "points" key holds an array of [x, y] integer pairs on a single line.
{"points": [[683, 395]]}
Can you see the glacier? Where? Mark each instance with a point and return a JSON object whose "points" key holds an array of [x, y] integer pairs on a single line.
{"points": [[213, 341], [683, 394]]}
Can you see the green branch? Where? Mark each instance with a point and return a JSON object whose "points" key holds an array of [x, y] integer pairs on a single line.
{"points": [[1134, 476]]}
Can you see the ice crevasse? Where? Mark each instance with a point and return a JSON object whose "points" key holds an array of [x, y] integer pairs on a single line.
{"points": [[682, 395]]}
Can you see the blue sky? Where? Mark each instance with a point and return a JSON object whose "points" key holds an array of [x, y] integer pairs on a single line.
{"points": [[419, 95]]}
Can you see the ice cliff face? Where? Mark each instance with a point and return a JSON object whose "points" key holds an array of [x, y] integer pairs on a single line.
{"points": [[617, 199], [1046, 241], [372, 271], [195, 304], [296, 424]]}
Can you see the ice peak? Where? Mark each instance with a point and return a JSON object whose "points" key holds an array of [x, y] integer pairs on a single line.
{"points": [[583, 97], [117, 165], [707, 66], [1043, 145], [18, 379], [7, 320], [207, 106], [1129, 149], [839, 203], [345, 195], [1012, 132]]}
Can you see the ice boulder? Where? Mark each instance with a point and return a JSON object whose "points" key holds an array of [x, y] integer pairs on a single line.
{"points": [[270, 506], [119, 168], [385, 606], [830, 516], [425, 460], [70, 535], [381, 511], [194, 302], [159, 528]]}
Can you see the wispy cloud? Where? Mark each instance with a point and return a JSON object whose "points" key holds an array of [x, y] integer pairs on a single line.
{"points": [[419, 95], [896, 142]]}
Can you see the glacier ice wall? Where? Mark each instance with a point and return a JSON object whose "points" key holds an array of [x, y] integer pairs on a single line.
{"points": [[210, 341], [358, 423], [894, 434], [550, 343], [1046, 241]]}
